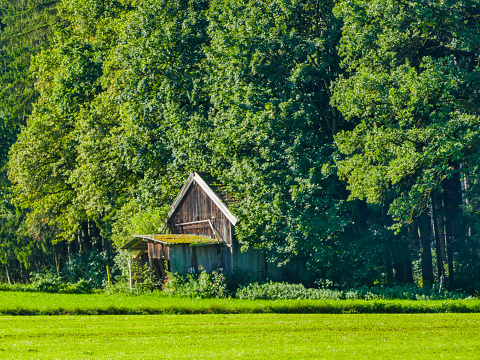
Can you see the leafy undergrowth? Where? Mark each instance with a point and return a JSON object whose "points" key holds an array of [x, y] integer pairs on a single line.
{"points": [[281, 290], [22, 303], [51, 284]]}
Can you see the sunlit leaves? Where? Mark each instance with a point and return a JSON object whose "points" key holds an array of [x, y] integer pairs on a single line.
{"points": [[411, 93]]}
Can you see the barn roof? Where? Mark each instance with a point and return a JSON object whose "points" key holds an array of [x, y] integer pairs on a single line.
{"points": [[212, 188], [171, 239], [135, 244]]}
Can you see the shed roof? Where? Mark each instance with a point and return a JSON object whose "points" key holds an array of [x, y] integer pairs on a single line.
{"points": [[171, 239], [208, 184], [135, 244]]}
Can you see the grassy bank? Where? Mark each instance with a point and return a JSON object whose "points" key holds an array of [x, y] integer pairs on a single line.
{"points": [[21, 303], [252, 336]]}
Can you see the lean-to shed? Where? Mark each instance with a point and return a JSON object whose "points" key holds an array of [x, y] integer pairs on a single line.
{"points": [[202, 235]]}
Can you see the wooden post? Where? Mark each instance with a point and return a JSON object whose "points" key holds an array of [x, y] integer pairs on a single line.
{"points": [[130, 275], [108, 276]]}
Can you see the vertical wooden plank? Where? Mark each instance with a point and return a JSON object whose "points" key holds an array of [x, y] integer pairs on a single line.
{"points": [[130, 273]]}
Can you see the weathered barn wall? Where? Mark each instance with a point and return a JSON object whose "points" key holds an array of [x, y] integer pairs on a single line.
{"points": [[158, 251], [253, 264], [197, 206], [250, 263], [158, 255], [183, 257]]}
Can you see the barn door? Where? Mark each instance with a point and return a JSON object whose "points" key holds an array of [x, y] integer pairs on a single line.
{"points": [[159, 259]]}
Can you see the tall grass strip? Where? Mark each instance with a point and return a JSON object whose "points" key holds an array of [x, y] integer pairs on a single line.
{"points": [[19, 303]]}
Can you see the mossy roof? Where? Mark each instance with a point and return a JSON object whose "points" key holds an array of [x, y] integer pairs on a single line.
{"points": [[135, 244], [192, 240]]}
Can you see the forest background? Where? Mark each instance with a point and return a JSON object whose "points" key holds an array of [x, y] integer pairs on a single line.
{"points": [[347, 131]]}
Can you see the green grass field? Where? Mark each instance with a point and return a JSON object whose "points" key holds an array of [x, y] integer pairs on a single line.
{"points": [[24, 303], [231, 328], [252, 336]]}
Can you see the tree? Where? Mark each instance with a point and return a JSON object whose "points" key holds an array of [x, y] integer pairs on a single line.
{"points": [[25, 28], [271, 66], [411, 94], [110, 96]]}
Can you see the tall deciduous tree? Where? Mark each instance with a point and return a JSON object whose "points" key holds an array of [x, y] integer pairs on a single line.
{"points": [[25, 29], [271, 66], [412, 94]]}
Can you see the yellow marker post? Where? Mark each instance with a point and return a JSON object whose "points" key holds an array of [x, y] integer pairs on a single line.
{"points": [[108, 276]]}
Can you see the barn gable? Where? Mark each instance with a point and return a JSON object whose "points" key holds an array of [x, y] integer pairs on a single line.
{"points": [[196, 179], [198, 210]]}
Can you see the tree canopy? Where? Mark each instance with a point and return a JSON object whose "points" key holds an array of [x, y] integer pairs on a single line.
{"points": [[345, 131]]}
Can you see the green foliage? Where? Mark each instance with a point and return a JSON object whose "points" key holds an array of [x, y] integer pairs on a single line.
{"points": [[49, 283], [131, 219], [26, 26], [408, 92], [143, 276], [89, 266], [131, 96], [96, 137], [202, 285], [274, 291], [271, 66]]}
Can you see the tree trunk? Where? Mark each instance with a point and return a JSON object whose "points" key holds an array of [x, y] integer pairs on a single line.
{"points": [[70, 250], [439, 212], [402, 265], [454, 229], [439, 232], [79, 241], [94, 233], [8, 275], [83, 237], [423, 229], [388, 266]]}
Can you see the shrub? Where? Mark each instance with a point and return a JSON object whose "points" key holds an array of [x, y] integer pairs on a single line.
{"points": [[89, 266], [280, 290], [80, 287], [50, 283], [45, 282], [143, 277], [202, 285]]}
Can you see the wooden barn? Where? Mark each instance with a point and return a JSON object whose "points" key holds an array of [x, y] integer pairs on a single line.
{"points": [[202, 236]]}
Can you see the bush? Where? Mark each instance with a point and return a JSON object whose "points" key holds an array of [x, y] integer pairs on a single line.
{"points": [[45, 282], [80, 287], [143, 277], [202, 285], [90, 266], [281, 290], [49, 283]]}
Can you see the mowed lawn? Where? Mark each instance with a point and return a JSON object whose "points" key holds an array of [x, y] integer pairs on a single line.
{"points": [[242, 336]]}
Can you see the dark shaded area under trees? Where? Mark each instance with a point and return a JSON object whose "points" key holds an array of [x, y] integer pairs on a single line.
{"points": [[347, 131]]}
